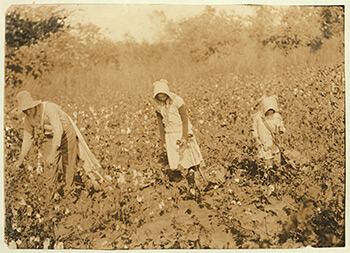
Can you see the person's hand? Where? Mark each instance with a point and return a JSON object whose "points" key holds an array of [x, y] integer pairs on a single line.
{"points": [[50, 159], [182, 142], [258, 143], [266, 148], [260, 146], [19, 162], [280, 130]]}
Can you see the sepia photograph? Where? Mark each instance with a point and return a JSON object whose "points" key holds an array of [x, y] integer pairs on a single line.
{"points": [[173, 127]]}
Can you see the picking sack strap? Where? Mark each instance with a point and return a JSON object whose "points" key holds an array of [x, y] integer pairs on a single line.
{"points": [[272, 134], [43, 115]]}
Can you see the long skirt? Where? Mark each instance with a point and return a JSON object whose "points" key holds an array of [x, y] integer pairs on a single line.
{"points": [[72, 149], [61, 173], [185, 156]]}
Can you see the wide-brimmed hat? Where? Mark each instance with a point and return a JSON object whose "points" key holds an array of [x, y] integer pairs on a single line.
{"points": [[161, 86], [25, 101]]}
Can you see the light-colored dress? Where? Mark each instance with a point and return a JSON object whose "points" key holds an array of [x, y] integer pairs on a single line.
{"points": [[269, 149], [186, 156], [266, 135]]}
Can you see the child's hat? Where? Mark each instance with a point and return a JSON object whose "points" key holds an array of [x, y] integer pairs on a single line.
{"points": [[160, 86], [25, 101], [269, 103]]}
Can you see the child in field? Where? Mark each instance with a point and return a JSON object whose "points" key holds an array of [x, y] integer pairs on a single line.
{"points": [[267, 125], [176, 133]]}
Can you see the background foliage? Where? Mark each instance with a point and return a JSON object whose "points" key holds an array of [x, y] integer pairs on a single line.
{"points": [[221, 64]]}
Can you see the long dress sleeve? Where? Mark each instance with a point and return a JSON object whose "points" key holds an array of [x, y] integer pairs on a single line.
{"points": [[279, 123], [27, 138], [255, 128]]}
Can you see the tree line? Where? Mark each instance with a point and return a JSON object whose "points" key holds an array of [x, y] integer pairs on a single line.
{"points": [[40, 41]]}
